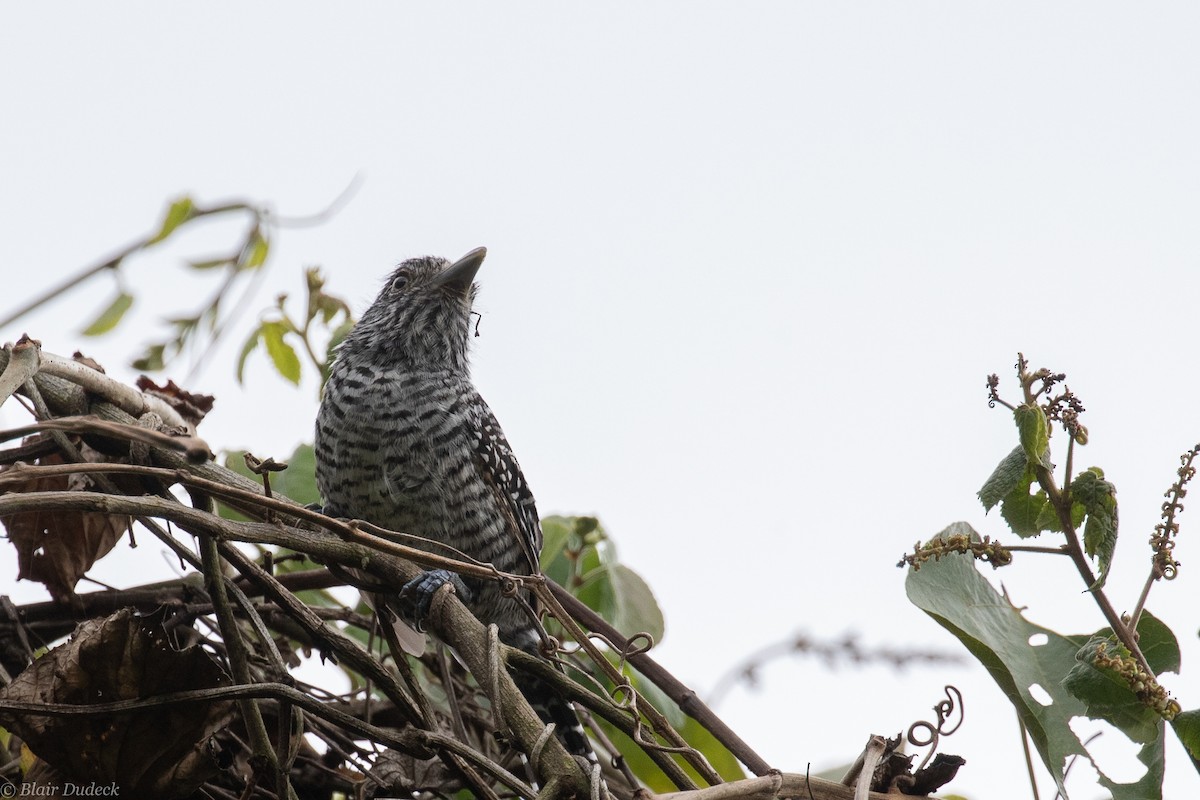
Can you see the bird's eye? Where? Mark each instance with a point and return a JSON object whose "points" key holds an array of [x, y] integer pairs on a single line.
{"points": [[398, 283]]}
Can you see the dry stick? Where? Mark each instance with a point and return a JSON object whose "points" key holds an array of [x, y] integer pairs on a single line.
{"points": [[342, 646], [623, 719], [416, 710], [440, 741], [194, 448], [618, 762], [238, 656], [659, 723], [452, 759], [774, 786], [685, 698], [862, 771], [67, 397], [22, 474], [450, 620], [23, 363], [72, 453], [276, 691]]}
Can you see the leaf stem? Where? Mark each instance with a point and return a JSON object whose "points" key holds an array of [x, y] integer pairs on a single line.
{"points": [[1075, 550], [1028, 759], [1061, 550]]}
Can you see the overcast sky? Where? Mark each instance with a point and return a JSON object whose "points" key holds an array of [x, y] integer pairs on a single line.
{"points": [[749, 265]]}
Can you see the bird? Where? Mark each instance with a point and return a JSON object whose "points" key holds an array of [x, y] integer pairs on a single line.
{"points": [[405, 441]]}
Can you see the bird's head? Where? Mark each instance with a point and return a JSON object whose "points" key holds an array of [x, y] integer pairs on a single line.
{"points": [[422, 316]]}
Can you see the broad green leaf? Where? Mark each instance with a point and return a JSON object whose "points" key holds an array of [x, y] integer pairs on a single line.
{"points": [[110, 316], [299, 480], [1157, 642], [178, 213], [1090, 489], [1022, 510], [1035, 433], [1149, 786], [637, 610], [1099, 499], [956, 596], [1187, 728], [1007, 475], [1107, 696], [247, 348], [283, 355], [619, 594], [555, 533]]}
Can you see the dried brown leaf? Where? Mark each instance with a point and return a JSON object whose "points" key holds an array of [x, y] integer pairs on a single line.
{"points": [[192, 407], [57, 547], [151, 752]]}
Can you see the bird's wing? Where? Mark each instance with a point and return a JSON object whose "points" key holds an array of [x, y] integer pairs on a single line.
{"points": [[502, 472]]}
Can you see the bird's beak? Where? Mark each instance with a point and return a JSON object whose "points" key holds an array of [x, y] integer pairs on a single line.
{"points": [[459, 275]]}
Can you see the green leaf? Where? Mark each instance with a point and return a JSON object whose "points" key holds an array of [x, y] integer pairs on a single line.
{"points": [[1022, 511], [1006, 477], [556, 531], [1157, 642], [619, 594], [248, 348], [1048, 517], [282, 354], [1035, 432], [956, 596], [1106, 694], [1099, 542], [1187, 728], [1099, 499], [178, 213], [153, 359], [637, 610], [110, 316], [212, 263], [254, 254], [693, 733], [299, 480]]}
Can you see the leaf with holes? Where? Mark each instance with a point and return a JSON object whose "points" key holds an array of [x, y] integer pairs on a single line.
{"points": [[958, 597]]}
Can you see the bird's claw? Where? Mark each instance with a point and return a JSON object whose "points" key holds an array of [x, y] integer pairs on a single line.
{"points": [[416, 597]]}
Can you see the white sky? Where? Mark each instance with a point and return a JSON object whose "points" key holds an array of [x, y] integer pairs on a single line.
{"points": [[748, 268]]}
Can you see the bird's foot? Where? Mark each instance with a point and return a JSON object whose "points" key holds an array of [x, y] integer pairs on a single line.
{"points": [[417, 595]]}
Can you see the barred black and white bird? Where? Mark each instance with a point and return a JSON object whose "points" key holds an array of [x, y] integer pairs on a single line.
{"points": [[404, 440]]}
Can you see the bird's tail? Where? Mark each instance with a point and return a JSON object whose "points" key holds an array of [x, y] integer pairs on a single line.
{"points": [[549, 705]]}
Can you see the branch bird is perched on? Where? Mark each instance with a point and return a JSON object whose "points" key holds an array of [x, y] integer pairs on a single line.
{"points": [[405, 441]]}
